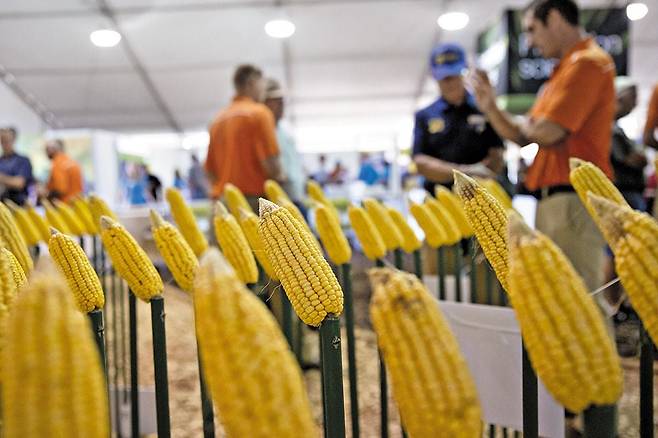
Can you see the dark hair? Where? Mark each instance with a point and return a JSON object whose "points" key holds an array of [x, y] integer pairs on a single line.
{"points": [[13, 130], [567, 8], [243, 74], [59, 143]]}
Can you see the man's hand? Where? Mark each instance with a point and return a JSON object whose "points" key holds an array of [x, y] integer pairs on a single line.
{"points": [[477, 170], [485, 95], [637, 160]]}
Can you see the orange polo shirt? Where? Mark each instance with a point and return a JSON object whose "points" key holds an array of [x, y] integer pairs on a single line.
{"points": [[65, 177], [652, 114], [241, 137], [580, 97]]}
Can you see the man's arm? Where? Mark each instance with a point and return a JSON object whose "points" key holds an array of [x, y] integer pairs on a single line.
{"points": [[651, 124], [440, 171], [273, 169], [13, 182]]}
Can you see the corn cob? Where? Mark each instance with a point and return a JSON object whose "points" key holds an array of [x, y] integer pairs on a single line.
{"points": [[27, 229], [410, 242], [53, 382], [332, 236], [297, 214], [435, 235], [498, 192], [130, 261], [249, 225], [371, 241], [454, 207], [488, 219], [55, 219], [453, 235], [184, 218], [307, 278], [431, 383], [633, 238], [17, 272], [13, 240], [8, 290], [39, 222], [235, 200], [229, 322], [384, 224], [316, 193], [561, 325], [77, 270], [585, 177], [73, 222], [82, 211], [234, 244], [99, 208], [175, 251], [275, 192]]}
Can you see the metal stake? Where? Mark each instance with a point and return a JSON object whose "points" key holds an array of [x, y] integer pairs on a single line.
{"points": [[600, 421], [458, 271], [530, 399], [646, 384], [160, 366], [351, 347], [206, 403], [134, 388], [441, 273], [332, 377]]}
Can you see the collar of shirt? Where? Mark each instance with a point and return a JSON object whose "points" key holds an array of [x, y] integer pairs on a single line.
{"points": [[469, 102], [581, 45], [240, 98]]}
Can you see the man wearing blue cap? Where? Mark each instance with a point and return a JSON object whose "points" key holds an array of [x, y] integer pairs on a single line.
{"points": [[452, 133]]}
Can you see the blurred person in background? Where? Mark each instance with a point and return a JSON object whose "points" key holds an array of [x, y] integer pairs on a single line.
{"points": [[367, 171], [196, 180], [243, 149], [65, 181], [153, 184], [452, 133], [179, 182], [338, 175], [651, 125], [15, 170], [291, 163], [136, 184], [321, 176]]}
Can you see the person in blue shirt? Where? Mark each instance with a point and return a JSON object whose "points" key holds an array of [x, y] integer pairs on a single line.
{"points": [[179, 182], [15, 169], [452, 133]]}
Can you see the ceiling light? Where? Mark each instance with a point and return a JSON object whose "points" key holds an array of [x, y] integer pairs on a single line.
{"points": [[280, 28], [453, 21], [636, 11], [105, 37]]}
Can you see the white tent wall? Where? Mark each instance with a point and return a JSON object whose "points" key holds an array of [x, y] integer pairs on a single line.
{"points": [[14, 112]]}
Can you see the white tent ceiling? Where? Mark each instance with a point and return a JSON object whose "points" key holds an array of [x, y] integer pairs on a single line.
{"points": [[352, 64]]}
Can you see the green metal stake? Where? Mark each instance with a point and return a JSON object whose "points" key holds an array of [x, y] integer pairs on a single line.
{"points": [[474, 277], [383, 385], [134, 388], [530, 399], [332, 377], [122, 310], [600, 421], [398, 258], [206, 403], [646, 384], [160, 366], [286, 314], [418, 264], [351, 346], [487, 283], [115, 345], [458, 270], [441, 272], [96, 318]]}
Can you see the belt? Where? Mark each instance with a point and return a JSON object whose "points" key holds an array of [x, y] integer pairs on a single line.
{"points": [[545, 192]]}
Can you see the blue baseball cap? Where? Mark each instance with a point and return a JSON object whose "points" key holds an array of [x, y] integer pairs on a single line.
{"points": [[447, 60]]}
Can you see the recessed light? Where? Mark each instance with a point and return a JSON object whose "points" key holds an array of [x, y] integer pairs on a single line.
{"points": [[636, 11], [105, 37], [453, 20], [280, 28]]}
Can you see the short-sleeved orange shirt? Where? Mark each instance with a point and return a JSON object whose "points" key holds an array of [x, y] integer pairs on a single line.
{"points": [[652, 115], [580, 97], [241, 137], [65, 177]]}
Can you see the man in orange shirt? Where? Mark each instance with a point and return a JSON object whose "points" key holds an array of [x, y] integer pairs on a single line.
{"points": [[243, 149], [572, 117], [65, 181], [651, 125]]}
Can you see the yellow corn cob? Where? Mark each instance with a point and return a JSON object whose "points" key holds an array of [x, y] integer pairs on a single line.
{"points": [[307, 278], [234, 244], [442, 215], [316, 193], [235, 200], [55, 219], [83, 212], [297, 214], [386, 227], [249, 225], [73, 222], [561, 325], [27, 228], [435, 235], [410, 241], [175, 251], [498, 192], [13, 240], [40, 223], [17, 272], [431, 383], [488, 219], [52, 378], [230, 321], [130, 261], [454, 207], [184, 218], [585, 177], [8, 290], [332, 236], [633, 238], [275, 192], [77, 270], [371, 241], [99, 208]]}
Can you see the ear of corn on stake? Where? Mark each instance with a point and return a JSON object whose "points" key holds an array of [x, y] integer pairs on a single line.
{"points": [[307, 278], [99, 208], [435, 235], [55, 219], [53, 383], [73, 222], [130, 261], [633, 237], [8, 290], [25, 225], [498, 192], [175, 251], [371, 241], [431, 383], [316, 193], [410, 241], [184, 218], [81, 209], [249, 224], [453, 205], [441, 214], [562, 328], [585, 177], [234, 244], [235, 200], [297, 214], [488, 219], [384, 224], [77, 270], [13, 239], [16, 270], [40, 223], [332, 236], [275, 192], [258, 394]]}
